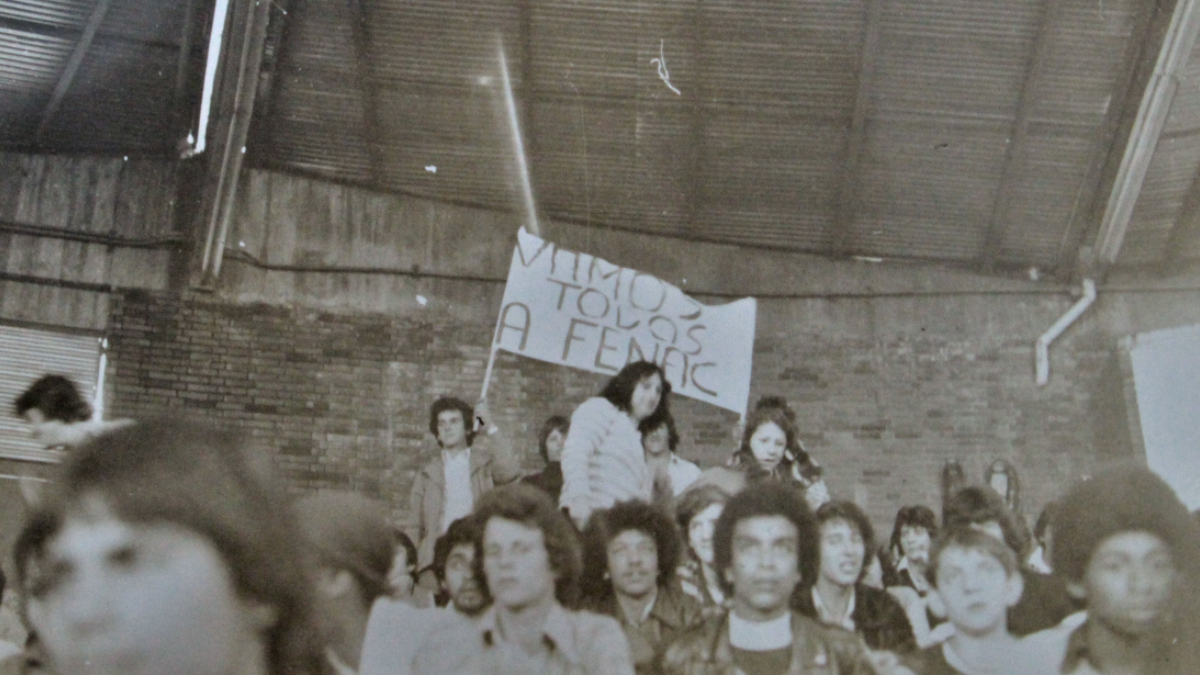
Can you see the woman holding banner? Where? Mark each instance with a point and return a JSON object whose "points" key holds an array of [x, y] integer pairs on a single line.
{"points": [[603, 461]]}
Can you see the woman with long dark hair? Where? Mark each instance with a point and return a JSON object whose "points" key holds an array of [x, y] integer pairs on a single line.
{"points": [[603, 461]]}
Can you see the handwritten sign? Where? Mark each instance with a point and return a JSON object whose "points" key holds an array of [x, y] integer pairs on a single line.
{"points": [[578, 310]]}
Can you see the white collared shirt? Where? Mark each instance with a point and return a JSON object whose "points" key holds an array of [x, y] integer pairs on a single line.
{"points": [[458, 500], [826, 616]]}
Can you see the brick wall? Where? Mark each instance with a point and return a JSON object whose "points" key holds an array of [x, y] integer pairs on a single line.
{"points": [[341, 400]]}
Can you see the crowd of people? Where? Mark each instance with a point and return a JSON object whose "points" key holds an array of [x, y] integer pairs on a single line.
{"points": [[165, 547]]}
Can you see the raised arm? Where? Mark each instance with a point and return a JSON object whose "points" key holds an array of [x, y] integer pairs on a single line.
{"points": [[506, 464]]}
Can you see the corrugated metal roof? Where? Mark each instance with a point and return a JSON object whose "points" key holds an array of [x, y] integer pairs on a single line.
{"points": [[795, 125]]}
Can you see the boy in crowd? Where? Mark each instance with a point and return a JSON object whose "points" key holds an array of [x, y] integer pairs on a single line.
{"points": [[764, 544], [660, 443], [1128, 549], [397, 628], [448, 487], [1044, 601], [530, 565], [978, 579], [631, 551], [352, 543], [838, 597]]}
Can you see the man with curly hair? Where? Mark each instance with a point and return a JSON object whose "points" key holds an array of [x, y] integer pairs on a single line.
{"points": [[631, 551]]}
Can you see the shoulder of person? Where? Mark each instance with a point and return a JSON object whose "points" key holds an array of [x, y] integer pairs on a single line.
{"points": [[694, 644], [597, 406]]}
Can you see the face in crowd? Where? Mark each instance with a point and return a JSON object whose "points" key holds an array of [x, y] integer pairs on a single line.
{"points": [[1128, 582], [452, 429], [842, 552], [459, 580], [645, 397], [633, 563], [915, 542], [768, 443], [517, 564], [657, 442], [700, 532], [554, 445], [765, 566], [976, 589], [120, 598]]}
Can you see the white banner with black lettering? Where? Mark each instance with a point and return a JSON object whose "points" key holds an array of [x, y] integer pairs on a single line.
{"points": [[578, 310]]}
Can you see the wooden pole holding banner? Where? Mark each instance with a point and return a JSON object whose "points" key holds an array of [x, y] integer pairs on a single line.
{"points": [[531, 220]]}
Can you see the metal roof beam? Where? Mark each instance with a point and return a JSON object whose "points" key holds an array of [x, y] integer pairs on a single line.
{"points": [[1015, 152], [1147, 127], [363, 57], [71, 68], [838, 234]]}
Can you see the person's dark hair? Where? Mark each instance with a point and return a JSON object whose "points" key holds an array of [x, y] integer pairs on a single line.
{"points": [[57, 399], [767, 499], [912, 516], [604, 526], [972, 540], [402, 540], [205, 480], [465, 530], [784, 418], [619, 391], [451, 403], [349, 532], [672, 432], [1045, 518], [1122, 499], [532, 507], [552, 424], [693, 501], [979, 504], [851, 513]]}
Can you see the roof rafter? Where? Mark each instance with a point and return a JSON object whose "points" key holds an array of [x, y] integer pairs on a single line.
{"points": [[363, 57], [71, 68], [1016, 151], [838, 234]]}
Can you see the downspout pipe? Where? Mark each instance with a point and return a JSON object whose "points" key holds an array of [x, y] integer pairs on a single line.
{"points": [[1042, 346]]}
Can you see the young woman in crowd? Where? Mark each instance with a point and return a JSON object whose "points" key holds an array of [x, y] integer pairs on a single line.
{"points": [[697, 511], [912, 537], [550, 446], [603, 461], [163, 548], [660, 443], [771, 450]]}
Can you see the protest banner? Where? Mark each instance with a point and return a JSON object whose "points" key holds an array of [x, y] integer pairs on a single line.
{"points": [[577, 310]]}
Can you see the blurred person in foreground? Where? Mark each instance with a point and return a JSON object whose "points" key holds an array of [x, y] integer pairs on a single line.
{"points": [[352, 542], [1130, 552], [163, 547]]}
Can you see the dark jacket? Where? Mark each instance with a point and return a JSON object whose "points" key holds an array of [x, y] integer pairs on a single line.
{"points": [[672, 615], [816, 650], [878, 618], [549, 480], [1044, 603]]}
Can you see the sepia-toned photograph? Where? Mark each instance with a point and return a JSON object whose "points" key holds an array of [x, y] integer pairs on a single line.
{"points": [[599, 337]]}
